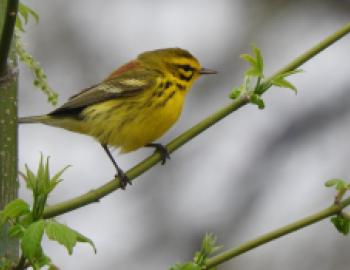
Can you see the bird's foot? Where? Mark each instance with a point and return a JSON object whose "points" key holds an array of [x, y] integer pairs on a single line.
{"points": [[123, 178], [162, 150]]}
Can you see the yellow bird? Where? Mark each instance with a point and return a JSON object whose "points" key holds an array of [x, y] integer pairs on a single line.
{"points": [[133, 106]]}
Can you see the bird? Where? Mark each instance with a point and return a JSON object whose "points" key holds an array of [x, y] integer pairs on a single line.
{"points": [[134, 106]]}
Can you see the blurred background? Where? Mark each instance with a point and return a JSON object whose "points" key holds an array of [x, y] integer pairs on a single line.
{"points": [[251, 173]]}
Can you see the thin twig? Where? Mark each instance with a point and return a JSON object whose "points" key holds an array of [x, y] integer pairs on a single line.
{"points": [[263, 239]]}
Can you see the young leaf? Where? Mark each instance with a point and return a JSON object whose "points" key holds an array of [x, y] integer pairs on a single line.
{"points": [[250, 59], [14, 209], [342, 224], [207, 249], [41, 261], [16, 231], [62, 234], [338, 183], [283, 83], [256, 99], [55, 180], [235, 93], [19, 24], [25, 11], [280, 81], [259, 61], [31, 241], [65, 235], [256, 62], [186, 266], [28, 11], [83, 239]]}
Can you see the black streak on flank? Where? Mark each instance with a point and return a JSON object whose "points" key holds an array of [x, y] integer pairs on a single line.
{"points": [[167, 85], [164, 102], [181, 86]]}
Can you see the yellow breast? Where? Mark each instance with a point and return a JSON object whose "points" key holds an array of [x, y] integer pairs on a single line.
{"points": [[133, 122]]}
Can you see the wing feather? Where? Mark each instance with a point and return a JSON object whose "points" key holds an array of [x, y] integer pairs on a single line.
{"points": [[129, 83]]}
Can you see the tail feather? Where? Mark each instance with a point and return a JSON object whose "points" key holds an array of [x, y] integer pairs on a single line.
{"points": [[32, 119]]}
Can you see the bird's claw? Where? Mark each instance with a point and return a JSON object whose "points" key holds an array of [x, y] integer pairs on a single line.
{"points": [[162, 150], [123, 179]]}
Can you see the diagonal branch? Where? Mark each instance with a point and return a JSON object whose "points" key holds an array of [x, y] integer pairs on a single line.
{"points": [[263, 239], [146, 164]]}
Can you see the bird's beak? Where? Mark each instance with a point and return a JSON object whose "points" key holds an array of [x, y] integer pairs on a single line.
{"points": [[207, 71]]}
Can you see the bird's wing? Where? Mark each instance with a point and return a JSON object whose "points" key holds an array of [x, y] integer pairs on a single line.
{"points": [[119, 84]]}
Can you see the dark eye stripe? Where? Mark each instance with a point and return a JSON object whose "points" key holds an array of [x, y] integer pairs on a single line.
{"points": [[185, 67]]}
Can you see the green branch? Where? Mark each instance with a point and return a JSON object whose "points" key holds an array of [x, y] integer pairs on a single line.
{"points": [[95, 195], [7, 34], [263, 239]]}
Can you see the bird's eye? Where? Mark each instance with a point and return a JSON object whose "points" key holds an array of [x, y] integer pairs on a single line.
{"points": [[186, 68]]}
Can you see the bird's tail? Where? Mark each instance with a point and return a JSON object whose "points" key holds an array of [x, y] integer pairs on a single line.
{"points": [[33, 119]]}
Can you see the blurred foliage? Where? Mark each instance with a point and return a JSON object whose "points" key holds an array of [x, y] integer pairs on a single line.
{"points": [[40, 78], [26, 222]]}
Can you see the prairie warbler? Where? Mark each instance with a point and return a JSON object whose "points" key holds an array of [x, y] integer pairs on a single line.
{"points": [[133, 106]]}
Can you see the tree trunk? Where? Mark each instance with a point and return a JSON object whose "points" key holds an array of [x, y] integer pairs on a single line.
{"points": [[8, 123]]}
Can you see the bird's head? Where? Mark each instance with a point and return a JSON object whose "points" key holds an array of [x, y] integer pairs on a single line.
{"points": [[177, 63]]}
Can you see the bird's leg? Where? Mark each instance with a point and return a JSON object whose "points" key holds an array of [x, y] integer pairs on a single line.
{"points": [[124, 180], [163, 151]]}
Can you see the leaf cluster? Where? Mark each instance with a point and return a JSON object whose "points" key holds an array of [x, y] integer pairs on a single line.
{"points": [[253, 85], [26, 222], [342, 220], [200, 258]]}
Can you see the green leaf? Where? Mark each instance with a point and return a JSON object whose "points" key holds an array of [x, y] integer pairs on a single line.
{"points": [[29, 177], [31, 241], [252, 72], [26, 11], [259, 61], [207, 249], [256, 61], [14, 209], [292, 72], [40, 183], [235, 93], [53, 267], [331, 182], [338, 183], [83, 239], [250, 59], [342, 224], [65, 236], [55, 180], [19, 24], [256, 99], [62, 234], [283, 83], [186, 266], [16, 231], [280, 81], [41, 261]]}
